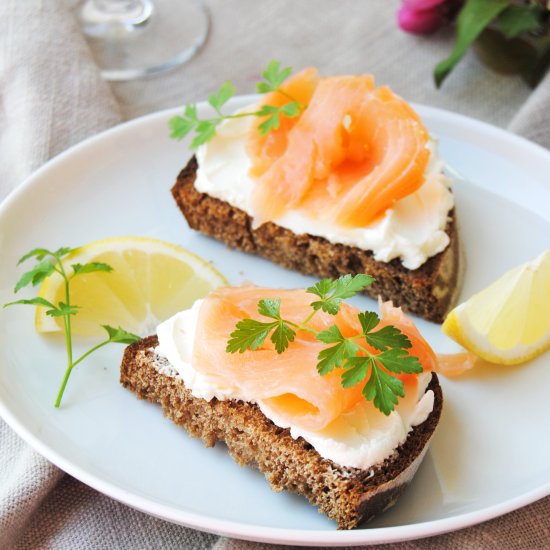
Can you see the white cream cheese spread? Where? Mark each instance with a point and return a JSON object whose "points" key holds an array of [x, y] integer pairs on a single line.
{"points": [[360, 438], [412, 230]]}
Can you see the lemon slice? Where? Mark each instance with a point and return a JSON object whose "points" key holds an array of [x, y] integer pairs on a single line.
{"points": [[151, 280], [509, 321]]}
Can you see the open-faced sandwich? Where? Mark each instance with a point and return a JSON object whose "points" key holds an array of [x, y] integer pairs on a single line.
{"points": [[330, 176], [329, 402]]}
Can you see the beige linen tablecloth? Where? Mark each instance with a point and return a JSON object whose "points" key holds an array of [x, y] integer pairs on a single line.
{"points": [[52, 97]]}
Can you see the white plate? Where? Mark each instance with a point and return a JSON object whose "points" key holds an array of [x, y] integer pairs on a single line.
{"points": [[491, 453]]}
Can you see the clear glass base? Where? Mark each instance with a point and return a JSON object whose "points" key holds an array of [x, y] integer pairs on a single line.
{"points": [[135, 38]]}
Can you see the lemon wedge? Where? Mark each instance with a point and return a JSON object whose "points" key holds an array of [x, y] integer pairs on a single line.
{"points": [[509, 321], [151, 280]]}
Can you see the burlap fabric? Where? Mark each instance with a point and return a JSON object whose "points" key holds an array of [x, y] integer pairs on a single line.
{"points": [[51, 96]]}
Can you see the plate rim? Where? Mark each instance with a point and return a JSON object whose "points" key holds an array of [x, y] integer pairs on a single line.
{"points": [[237, 529]]}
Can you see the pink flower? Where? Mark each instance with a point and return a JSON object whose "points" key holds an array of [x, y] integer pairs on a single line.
{"points": [[422, 16]]}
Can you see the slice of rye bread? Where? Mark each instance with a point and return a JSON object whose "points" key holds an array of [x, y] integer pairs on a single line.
{"points": [[429, 291], [348, 495]]}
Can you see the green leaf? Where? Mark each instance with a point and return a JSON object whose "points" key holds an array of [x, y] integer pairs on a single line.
{"points": [[206, 129], [322, 288], [330, 358], [356, 371], [41, 253], [348, 285], [383, 390], [249, 334], [330, 336], [388, 337], [180, 126], [90, 267], [36, 275], [38, 253], [344, 287], [273, 120], [38, 301], [120, 335], [398, 361], [368, 320], [282, 336], [190, 112], [515, 20], [291, 109], [270, 308], [63, 251], [274, 76], [270, 124], [474, 16], [63, 310], [224, 94]]}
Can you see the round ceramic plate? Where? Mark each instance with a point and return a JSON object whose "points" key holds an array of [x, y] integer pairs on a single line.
{"points": [[489, 455]]}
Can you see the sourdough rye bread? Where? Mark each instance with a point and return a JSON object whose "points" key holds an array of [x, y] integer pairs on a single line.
{"points": [[348, 495], [429, 291]]}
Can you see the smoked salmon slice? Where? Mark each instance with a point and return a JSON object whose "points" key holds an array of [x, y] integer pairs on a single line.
{"points": [[265, 149], [287, 383], [352, 153], [455, 364]]}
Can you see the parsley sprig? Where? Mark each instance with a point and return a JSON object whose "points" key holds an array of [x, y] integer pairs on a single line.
{"points": [[205, 129], [358, 363], [49, 262]]}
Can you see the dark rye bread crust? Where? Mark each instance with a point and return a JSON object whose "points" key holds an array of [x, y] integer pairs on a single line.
{"points": [[348, 495], [429, 291]]}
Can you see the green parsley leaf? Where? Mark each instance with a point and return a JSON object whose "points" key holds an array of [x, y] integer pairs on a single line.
{"points": [[291, 109], [381, 387], [273, 120], [36, 275], [398, 361], [282, 336], [344, 287], [50, 262], [180, 126], [38, 301], [334, 356], [63, 251], [385, 338], [249, 334], [322, 288], [330, 336], [63, 310], [38, 253], [368, 320], [120, 335], [41, 253], [274, 76], [91, 267], [206, 129], [356, 371], [224, 94], [383, 390], [388, 337], [270, 308]]}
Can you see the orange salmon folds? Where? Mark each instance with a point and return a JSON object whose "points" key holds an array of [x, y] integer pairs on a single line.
{"points": [[287, 383], [348, 157]]}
